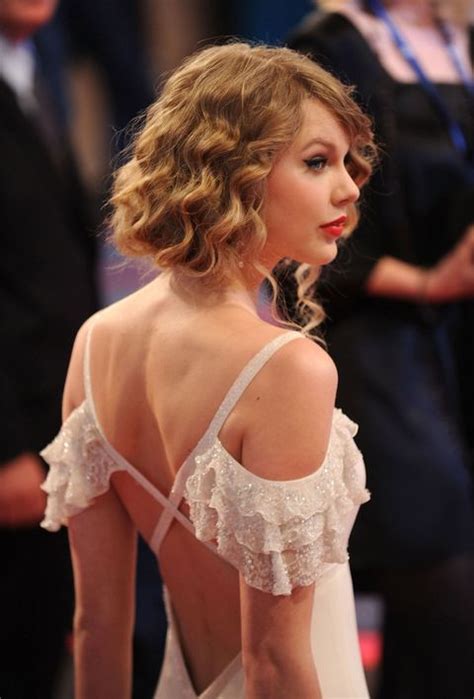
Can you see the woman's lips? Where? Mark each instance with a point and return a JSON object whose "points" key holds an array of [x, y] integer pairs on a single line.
{"points": [[335, 228]]}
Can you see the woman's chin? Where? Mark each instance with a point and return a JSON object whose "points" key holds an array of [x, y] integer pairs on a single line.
{"points": [[328, 256]]}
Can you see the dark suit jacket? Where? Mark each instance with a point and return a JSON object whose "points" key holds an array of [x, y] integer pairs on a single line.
{"points": [[47, 275], [47, 289]]}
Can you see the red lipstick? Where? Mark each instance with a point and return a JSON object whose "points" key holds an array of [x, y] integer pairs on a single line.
{"points": [[336, 227]]}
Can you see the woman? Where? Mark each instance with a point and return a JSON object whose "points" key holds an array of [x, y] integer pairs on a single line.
{"points": [[246, 494], [401, 329]]}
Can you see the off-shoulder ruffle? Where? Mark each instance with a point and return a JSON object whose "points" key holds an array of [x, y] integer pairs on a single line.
{"points": [[80, 468], [280, 535]]}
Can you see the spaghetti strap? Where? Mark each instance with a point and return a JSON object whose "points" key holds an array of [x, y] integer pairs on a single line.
{"points": [[244, 378], [86, 368]]}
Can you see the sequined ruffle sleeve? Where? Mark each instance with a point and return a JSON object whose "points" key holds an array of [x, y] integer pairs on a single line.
{"points": [[279, 534], [80, 468]]}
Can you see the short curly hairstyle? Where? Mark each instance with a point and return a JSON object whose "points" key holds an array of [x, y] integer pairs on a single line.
{"points": [[191, 194]]}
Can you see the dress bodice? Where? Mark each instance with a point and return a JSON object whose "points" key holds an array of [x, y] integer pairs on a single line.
{"points": [[278, 534]]}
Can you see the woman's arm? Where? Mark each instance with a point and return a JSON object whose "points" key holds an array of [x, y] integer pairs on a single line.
{"points": [[451, 279], [287, 439], [276, 644], [103, 549]]}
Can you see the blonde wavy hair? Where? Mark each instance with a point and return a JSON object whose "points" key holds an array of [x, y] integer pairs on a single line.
{"points": [[190, 196]]}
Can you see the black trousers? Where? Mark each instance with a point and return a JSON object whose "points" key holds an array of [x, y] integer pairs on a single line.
{"points": [[428, 650], [36, 604]]}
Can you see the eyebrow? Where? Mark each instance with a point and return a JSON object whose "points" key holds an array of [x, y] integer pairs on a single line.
{"points": [[319, 142]]}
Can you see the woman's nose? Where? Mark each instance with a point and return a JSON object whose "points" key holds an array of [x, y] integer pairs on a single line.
{"points": [[347, 192]]}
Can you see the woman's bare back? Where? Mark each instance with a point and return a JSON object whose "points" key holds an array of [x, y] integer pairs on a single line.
{"points": [[160, 367]]}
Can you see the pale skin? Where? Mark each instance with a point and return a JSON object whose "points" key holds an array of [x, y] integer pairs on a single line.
{"points": [[452, 278], [22, 502], [152, 358]]}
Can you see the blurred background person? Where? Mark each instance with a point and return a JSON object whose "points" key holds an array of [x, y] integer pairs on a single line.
{"points": [[99, 74], [47, 289], [110, 34], [84, 70], [400, 328], [102, 46]]}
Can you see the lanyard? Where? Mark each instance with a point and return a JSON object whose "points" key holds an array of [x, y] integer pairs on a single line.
{"points": [[456, 134], [447, 35]]}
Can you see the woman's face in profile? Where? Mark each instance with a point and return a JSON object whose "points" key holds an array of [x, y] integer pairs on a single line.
{"points": [[308, 192]]}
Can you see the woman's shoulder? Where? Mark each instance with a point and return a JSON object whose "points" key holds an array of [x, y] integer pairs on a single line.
{"points": [[303, 361], [288, 413], [338, 41], [97, 330], [298, 359], [291, 362], [325, 27]]}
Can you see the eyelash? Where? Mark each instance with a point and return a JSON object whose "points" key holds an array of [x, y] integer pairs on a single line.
{"points": [[317, 163]]}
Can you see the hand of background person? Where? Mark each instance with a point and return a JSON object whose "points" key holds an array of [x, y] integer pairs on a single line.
{"points": [[453, 277], [22, 502]]}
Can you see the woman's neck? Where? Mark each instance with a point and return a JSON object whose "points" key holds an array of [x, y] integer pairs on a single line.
{"points": [[194, 292], [417, 12]]}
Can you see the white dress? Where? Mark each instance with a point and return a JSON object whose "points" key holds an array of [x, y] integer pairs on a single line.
{"points": [[278, 534]]}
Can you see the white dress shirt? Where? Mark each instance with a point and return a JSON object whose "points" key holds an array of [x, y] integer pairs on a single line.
{"points": [[17, 68]]}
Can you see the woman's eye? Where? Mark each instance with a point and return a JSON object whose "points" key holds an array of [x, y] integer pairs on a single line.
{"points": [[316, 163]]}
